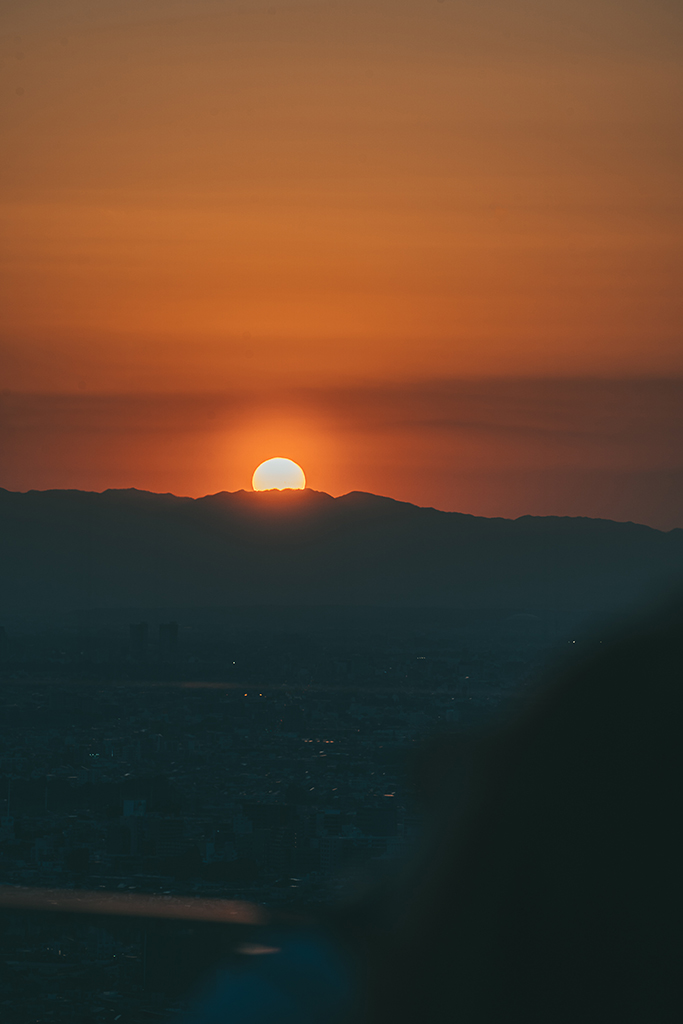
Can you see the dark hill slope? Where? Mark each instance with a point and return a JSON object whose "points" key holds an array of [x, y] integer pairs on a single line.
{"points": [[128, 548]]}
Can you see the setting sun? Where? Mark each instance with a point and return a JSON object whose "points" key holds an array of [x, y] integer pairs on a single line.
{"points": [[278, 474]]}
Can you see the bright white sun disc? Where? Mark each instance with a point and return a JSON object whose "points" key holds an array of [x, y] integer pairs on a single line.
{"points": [[278, 474]]}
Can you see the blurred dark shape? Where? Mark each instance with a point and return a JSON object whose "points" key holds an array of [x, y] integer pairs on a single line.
{"points": [[288, 977], [139, 633], [553, 895]]}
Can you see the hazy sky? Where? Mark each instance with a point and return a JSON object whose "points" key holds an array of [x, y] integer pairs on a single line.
{"points": [[377, 198]]}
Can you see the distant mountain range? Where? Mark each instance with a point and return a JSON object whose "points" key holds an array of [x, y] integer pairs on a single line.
{"points": [[129, 548]]}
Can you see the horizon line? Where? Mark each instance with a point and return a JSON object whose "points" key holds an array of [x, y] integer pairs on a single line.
{"points": [[333, 497]]}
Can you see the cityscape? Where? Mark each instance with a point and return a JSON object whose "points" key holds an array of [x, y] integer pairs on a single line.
{"points": [[286, 772]]}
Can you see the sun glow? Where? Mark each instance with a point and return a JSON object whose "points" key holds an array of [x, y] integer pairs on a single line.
{"points": [[278, 474]]}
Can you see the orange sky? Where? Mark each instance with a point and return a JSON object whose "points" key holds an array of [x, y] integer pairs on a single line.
{"points": [[489, 447], [239, 199]]}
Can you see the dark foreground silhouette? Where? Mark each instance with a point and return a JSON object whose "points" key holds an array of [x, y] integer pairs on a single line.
{"points": [[556, 895], [551, 894]]}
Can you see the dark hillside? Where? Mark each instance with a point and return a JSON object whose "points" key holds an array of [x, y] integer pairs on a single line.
{"points": [[128, 548]]}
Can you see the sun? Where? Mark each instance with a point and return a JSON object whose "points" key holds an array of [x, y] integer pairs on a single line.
{"points": [[278, 474]]}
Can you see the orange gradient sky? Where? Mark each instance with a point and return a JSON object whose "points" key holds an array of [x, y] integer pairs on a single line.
{"points": [[264, 208]]}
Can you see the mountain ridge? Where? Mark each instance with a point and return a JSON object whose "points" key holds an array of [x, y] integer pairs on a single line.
{"points": [[256, 495], [129, 547]]}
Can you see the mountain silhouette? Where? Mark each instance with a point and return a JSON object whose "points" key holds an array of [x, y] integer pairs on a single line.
{"points": [[66, 549]]}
